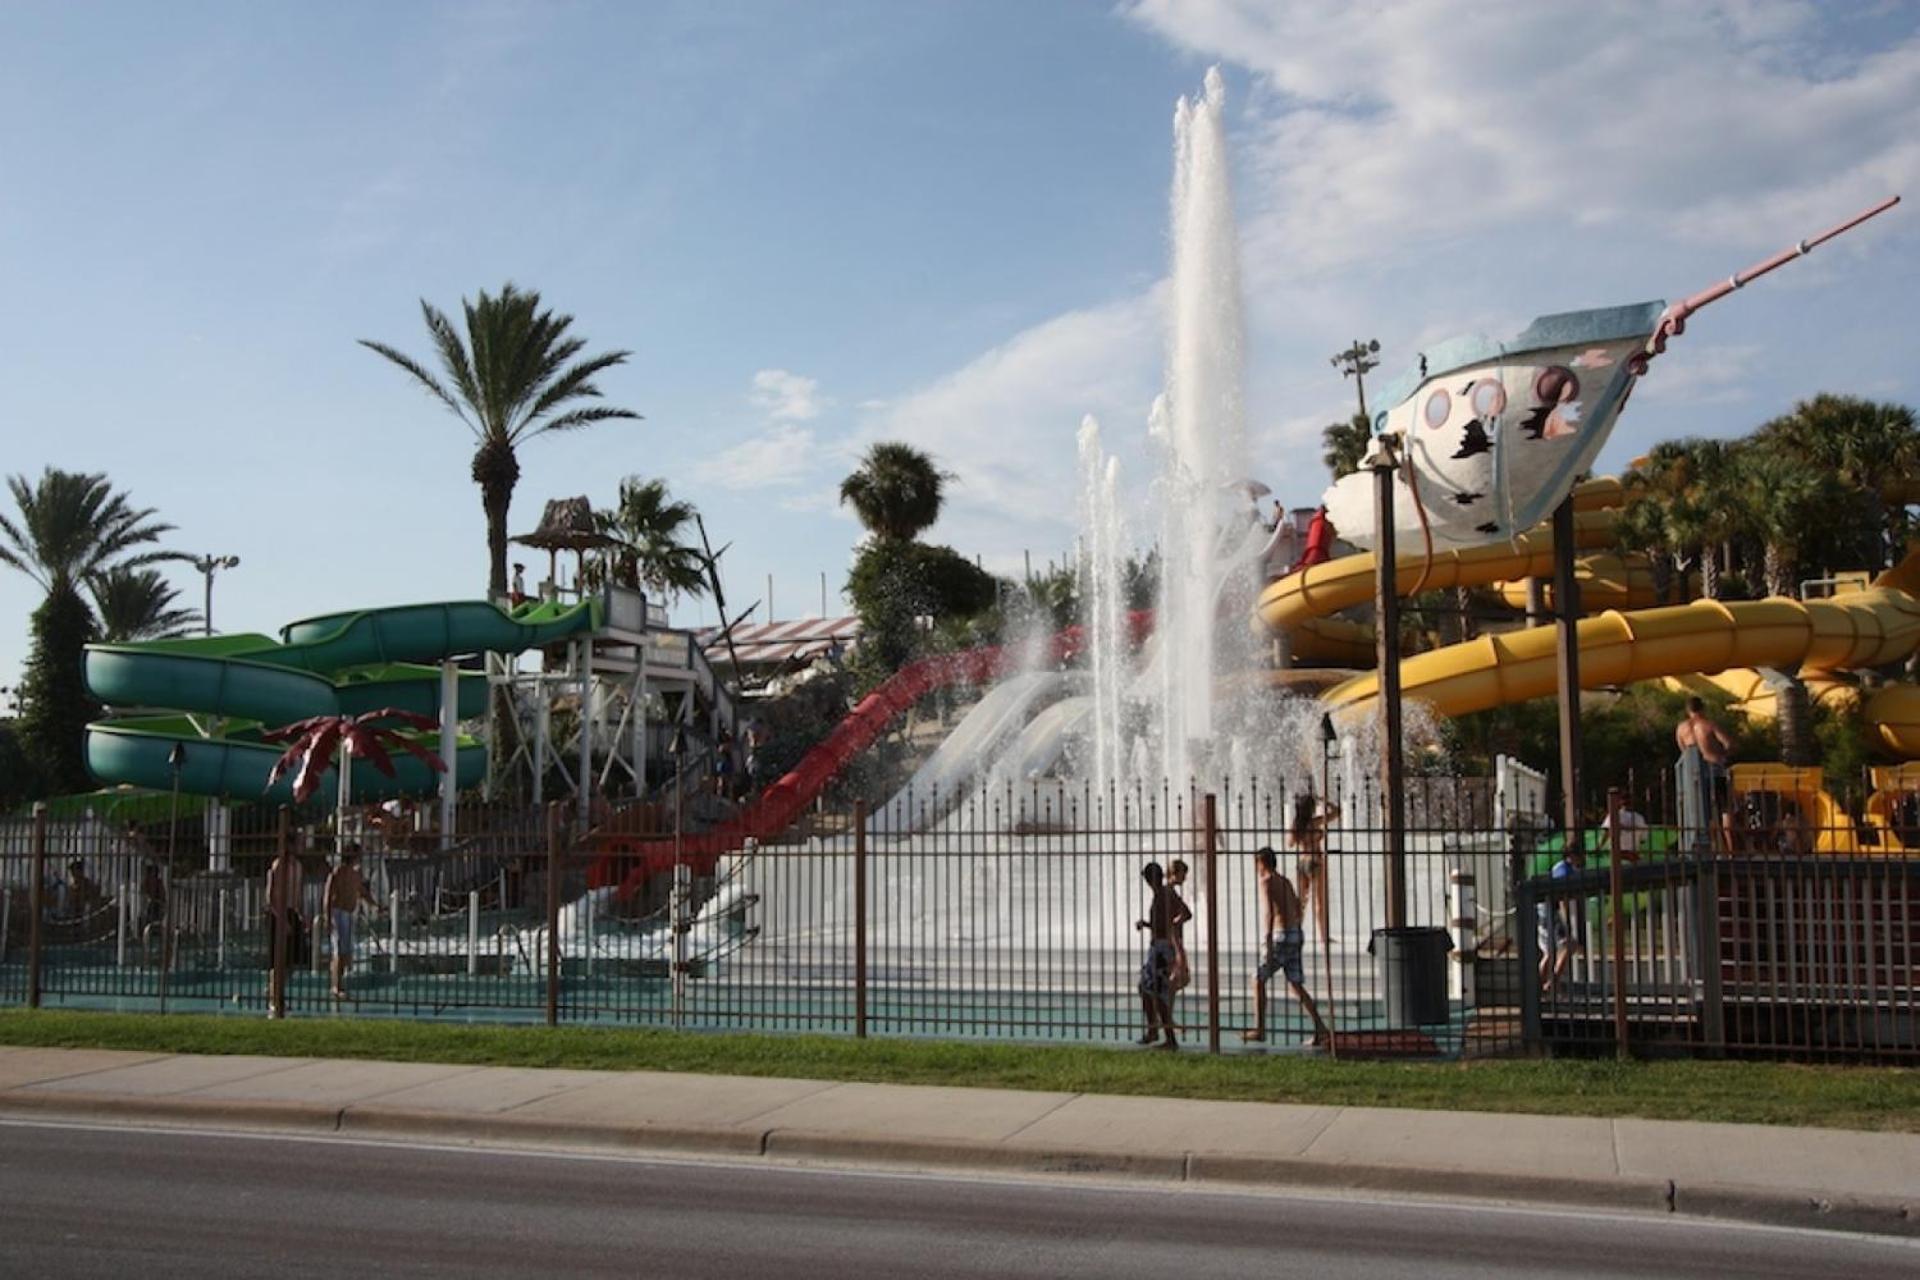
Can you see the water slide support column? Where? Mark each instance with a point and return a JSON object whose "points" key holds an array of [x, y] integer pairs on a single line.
{"points": [[1386, 597], [1566, 607], [583, 808], [449, 747]]}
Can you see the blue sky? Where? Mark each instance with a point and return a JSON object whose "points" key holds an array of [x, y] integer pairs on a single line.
{"points": [[817, 225]]}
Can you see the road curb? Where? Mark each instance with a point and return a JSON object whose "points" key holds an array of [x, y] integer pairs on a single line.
{"points": [[1863, 1214], [955, 1153], [297, 1117], [1282, 1171], [458, 1127]]}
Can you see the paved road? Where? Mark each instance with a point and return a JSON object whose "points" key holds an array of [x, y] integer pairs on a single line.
{"points": [[83, 1201]]}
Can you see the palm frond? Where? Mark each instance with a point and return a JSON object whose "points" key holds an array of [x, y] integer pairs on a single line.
{"points": [[582, 418], [421, 375]]}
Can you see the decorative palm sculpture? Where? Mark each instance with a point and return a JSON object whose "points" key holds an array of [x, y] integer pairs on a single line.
{"points": [[312, 745]]}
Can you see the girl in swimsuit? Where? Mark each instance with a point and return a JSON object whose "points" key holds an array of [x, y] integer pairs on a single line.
{"points": [[1309, 835]]}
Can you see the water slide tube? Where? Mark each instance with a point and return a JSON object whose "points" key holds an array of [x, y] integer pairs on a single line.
{"points": [[1870, 628], [221, 692]]}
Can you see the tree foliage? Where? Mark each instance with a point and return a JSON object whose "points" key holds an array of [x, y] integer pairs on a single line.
{"points": [[894, 585], [1345, 444], [70, 527], [138, 604], [653, 552], [896, 491], [517, 373]]}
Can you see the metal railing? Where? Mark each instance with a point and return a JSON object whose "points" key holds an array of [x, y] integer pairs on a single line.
{"points": [[1015, 916]]}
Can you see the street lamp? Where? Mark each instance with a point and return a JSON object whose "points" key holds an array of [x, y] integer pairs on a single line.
{"points": [[1355, 363], [208, 566]]}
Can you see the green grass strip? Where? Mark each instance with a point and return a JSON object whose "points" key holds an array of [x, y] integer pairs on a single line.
{"points": [[1877, 1098]]}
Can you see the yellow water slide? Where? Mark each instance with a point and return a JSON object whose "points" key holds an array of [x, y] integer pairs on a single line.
{"points": [[1870, 628]]}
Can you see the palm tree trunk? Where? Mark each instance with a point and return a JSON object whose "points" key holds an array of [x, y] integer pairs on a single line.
{"points": [[1463, 602], [496, 471], [1710, 574], [1777, 568], [1794, 714]]}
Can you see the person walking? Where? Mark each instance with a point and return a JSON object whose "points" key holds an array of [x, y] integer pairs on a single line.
{"points": [[1156, 967], [1285, 943], [1561, 926], [346, 890]]}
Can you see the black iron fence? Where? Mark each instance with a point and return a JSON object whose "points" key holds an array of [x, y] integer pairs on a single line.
{"points": [[1010, 913]]}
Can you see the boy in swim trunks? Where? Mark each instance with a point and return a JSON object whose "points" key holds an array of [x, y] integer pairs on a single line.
{"points": [[1156, 967], [1281, 913], [1699, 732], [346, 890]]}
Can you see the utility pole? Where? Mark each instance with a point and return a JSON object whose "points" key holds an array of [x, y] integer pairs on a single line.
{"points": [[1356, 362], [208, 566]]}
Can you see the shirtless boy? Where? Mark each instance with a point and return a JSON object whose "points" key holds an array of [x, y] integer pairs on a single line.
{"points": [[1280, 914], [1698, 731], [346, 890], [1156, 967]]}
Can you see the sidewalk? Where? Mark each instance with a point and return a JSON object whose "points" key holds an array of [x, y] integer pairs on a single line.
{"points": [[1796, 1177]]}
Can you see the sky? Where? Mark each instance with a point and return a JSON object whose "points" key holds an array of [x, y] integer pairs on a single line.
{"points": [[820, 225]]}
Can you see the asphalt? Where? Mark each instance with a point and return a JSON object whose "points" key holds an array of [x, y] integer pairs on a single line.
{"points": [[111, 1201], [1820, 1178]]}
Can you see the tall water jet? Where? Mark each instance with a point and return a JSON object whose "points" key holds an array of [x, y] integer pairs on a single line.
{"points": [[1205, 431], [1105, 607]]}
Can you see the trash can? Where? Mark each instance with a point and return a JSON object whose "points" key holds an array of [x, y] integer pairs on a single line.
{"points": [[1412, 964]]}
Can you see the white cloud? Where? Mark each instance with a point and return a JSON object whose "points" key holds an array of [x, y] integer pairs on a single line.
{"points": [[1004, 424], [783, 455], [1379, 133], [786, 397]]}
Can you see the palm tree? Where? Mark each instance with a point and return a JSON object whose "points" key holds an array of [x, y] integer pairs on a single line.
{"points": [[1687, 501], [1345, 444], [897, 491], [138, 604], [511, 379], [652, 553], [1860, 443], [71, 526]]}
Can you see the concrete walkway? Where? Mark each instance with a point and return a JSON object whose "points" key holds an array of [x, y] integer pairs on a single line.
{"points": [[1802, 1177]]}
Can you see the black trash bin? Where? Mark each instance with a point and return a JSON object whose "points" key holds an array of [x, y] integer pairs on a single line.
{"points": [[1413, 974]]}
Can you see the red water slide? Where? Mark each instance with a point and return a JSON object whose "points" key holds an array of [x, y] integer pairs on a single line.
{"points": [[633, 859]]}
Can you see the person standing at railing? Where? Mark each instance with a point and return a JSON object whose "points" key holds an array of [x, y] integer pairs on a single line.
{"points": [[1156, 967], [1182, 976], [1698, 732], [346, 890], [285, 882], [1281, 914], [153, 910], [1562, 922]]}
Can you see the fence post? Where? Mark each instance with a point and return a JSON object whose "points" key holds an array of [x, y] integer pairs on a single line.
{"points": [[553, 913], [473, 933], [1616, 929], [1526, 910], [279, 926], [37, 900], [1210, 835], [1707, 953], [860, 919]]}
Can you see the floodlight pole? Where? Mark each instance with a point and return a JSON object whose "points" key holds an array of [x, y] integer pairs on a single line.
{"points": [[208, 566]]}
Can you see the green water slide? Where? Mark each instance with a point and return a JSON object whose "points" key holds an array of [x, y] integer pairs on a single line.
{"points": [[216, 695]]}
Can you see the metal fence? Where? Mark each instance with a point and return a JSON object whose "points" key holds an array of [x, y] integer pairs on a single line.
{"points": [[1009, 913]]}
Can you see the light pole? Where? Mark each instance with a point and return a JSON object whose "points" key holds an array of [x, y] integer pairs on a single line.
{"points": [[676, 896], [176, 761], [208, 566], [1356, 362]]}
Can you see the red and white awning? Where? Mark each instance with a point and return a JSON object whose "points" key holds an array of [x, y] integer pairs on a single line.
{"points": [[774, 643]]}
